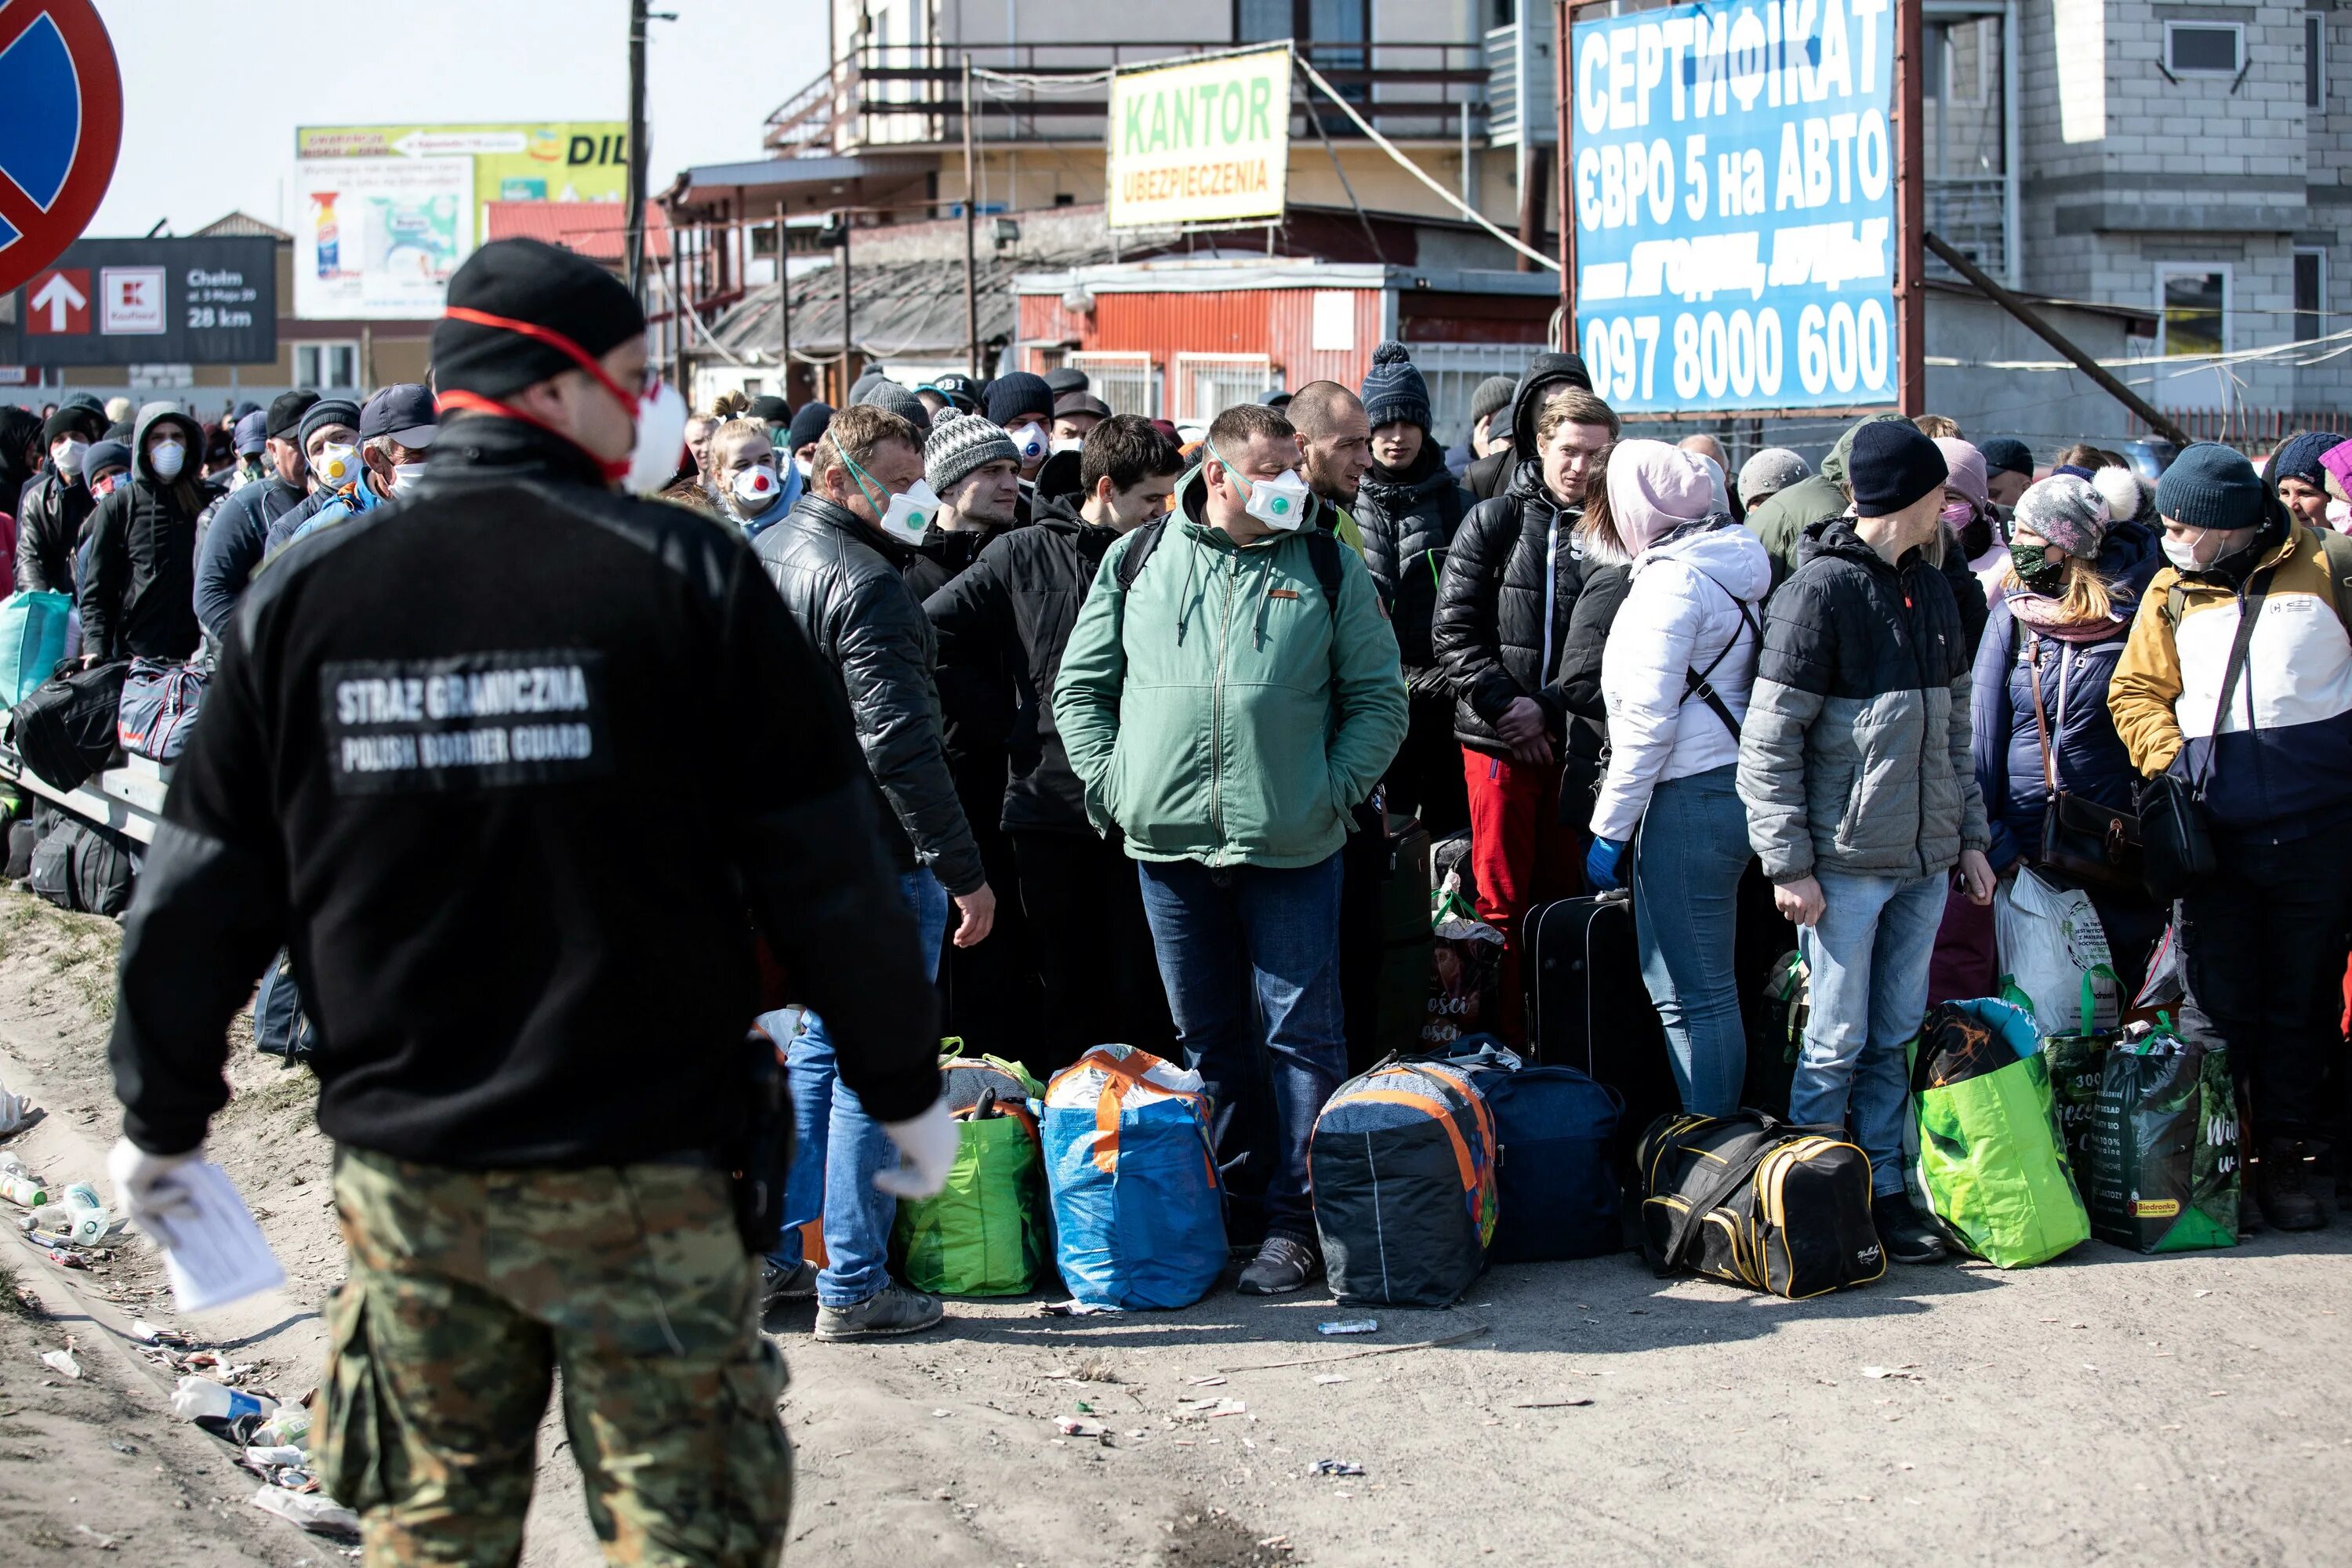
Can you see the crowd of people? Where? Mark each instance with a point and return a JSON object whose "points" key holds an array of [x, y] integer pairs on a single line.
{"points": [[1150, 805]]}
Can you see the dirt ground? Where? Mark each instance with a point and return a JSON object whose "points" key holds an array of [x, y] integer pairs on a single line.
{"points": [[2102, 1409]]}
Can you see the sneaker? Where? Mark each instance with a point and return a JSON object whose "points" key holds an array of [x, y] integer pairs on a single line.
{"points": [[893, 1310], [2283, 1186], [1283, 1264], [778, 1284], [1906, 1238]]}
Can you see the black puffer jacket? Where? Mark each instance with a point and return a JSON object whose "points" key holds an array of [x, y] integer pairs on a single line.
{"points": [[47, 531], [1408, 524], [844, 582], [1012, 610], [1575, 687], [1490, 633], [139, 598]]}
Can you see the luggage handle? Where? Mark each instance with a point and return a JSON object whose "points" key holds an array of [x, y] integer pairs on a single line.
{"points": [[1741, 1170]]}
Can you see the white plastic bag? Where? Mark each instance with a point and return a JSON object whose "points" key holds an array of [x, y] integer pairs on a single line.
{"points": [[2055, 951]]}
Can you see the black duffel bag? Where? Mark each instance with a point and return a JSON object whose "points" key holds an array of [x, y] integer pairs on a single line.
{"points": [[64, 731], [1757, 1201]]}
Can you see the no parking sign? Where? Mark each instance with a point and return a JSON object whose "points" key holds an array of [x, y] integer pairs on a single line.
{"points": [[60, 129]]}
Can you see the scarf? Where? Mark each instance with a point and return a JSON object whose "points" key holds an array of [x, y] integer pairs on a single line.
{"points": [[2048, 616]]}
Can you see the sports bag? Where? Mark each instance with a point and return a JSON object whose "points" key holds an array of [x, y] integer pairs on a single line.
{"points": [[159, 709], [64, 729], [1138, 1210], [32, 640], [1552, 1128], [281, 1026], [2164, 1147], [51, 874], [83, 867], [1401, 1162], [1992, 1158], [1759, 1202], [985, 1233]]}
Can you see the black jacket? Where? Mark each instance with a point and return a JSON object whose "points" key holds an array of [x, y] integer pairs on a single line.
{"points": [[1492, 474], [1408, 524], [139, 598], [48, 529], [1490, 632], [235, 542], [942, 557], [1009, 617], [844, 584], [432, 756], [1576, 688]]}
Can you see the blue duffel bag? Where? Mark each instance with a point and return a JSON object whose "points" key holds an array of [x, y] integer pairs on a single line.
{"points": [[32, 640], [1557, 1193]]}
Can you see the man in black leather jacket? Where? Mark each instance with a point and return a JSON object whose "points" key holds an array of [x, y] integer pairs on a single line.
{"points": [[839, 558], [58, 502]]}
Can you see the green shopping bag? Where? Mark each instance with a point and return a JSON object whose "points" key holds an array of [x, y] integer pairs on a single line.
{"points": [[2076, 1061], [1991, 1160], [2163, 1147], [986, 1232]]}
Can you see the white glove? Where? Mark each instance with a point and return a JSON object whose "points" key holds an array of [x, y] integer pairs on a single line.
{"points": [[927, 1147], [145, 1188]]}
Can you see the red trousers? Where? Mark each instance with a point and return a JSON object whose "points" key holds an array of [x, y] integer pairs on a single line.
{"points": [[1522, 854]]}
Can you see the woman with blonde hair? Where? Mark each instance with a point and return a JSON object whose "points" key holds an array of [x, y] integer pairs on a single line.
{"points": [[2058, 627]]}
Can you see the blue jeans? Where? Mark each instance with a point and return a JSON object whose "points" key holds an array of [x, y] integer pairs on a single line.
{"points": [[1688, 858], [1251, 951], [1868, 959], [838, 1148]]}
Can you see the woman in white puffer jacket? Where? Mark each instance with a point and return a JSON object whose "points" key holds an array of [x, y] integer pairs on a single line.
{"points": [[1680, 661]]}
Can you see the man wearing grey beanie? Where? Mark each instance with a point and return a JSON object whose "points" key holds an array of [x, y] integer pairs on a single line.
{"points": [[888, 394], [1488, 398], [974, 469]]}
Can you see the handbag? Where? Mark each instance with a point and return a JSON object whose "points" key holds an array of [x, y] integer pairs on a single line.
{"points": [[2176, 839], [2081, 838]]}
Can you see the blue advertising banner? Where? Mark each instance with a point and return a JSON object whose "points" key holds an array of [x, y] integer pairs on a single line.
{"points": [[1733, 200]]}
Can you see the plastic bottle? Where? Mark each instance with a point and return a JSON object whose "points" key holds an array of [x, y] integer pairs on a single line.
{"points": [[198, 1398], [81, 1219], [290, 1425], [331, 241], [20, 1186]]}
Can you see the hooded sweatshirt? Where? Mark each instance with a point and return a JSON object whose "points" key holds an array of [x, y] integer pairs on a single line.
{"points": [[139, 596], [1491, 475]]}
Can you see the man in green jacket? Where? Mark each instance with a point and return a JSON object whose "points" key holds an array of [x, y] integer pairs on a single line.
{"points": [[1229, 695]]}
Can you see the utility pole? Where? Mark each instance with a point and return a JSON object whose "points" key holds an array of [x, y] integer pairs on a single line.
{"points": [[1910, 215], [784, 313], [971, 243], [848, 339], [1563, 13], [635, 219]]}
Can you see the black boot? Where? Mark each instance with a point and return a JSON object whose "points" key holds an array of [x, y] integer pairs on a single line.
{"points": [[1906, 1238], [2283, 1186]]}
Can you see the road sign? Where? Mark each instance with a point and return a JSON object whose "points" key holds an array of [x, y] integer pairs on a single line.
{"points": [[60, 128], [148, 301], [58, 303]]}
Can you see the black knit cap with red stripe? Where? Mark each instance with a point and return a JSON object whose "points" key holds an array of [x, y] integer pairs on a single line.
{"points": [[528, 281]]}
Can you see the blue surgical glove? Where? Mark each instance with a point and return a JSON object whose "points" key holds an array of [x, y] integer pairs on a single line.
{"points": [[1601, 865]]}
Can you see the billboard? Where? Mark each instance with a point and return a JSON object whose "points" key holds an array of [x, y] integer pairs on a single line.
{"points": [[377, 238], [555, 161], [1207, 142], [147, 301], [1733, 192]]}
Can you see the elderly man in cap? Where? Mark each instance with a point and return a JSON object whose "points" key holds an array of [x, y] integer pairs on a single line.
{"points": [[55, 505], [330, 434], [236, 536], [424, 757]]}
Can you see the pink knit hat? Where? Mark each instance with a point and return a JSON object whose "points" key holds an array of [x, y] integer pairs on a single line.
{"points": [[1967, 468], [1654, 488]]}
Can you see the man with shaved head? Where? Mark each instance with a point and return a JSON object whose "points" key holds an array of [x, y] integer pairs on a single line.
{"points": [[1335, 447]]}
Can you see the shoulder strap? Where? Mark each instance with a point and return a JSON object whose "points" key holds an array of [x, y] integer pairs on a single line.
{"points": [[1139, 547], [1694, 681], [2041, 723], [2257, 590], [1737, 1168], [1323, 551]]}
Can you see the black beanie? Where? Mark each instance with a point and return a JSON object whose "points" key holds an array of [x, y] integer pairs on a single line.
{"points": [[75, 420], [1890, 465], [286, 411], [1019, 392], [810, 421], [770, 409], [528, 281]]}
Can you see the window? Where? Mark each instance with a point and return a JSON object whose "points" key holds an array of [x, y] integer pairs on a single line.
{"points": [[327, 365], [2204, 48], [2310, 294], [2192, 302], [1936, 53], [2314, 61]]}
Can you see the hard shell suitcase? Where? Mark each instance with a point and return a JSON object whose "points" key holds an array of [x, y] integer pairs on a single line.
{"points": [[1588, 1009]]}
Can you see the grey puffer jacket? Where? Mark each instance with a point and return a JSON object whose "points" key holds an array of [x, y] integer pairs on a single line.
{"points": [[1854, 754], [843, 582]]}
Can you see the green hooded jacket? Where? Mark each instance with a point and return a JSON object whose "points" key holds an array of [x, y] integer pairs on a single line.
{"points": [[1218, 711], [1779, 521]]}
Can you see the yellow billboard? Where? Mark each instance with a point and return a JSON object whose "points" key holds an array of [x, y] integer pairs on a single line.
{"points": [[525, 161], [1204, 141]]}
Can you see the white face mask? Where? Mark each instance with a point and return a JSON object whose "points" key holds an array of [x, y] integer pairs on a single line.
{"points": [[803, 467], [756, 488], [166, 457], [335, 466], [1279, 503], [68, 456], [911, 513], [1070, 444], [661, 435], [2183, 552], [405, 476], [1031, 440]]}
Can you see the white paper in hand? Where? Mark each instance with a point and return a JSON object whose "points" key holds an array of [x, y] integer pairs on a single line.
{"points": [[213, 1250]]}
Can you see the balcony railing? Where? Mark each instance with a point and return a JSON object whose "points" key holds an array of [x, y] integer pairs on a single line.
{"points": [[880, 95], [1972, 216]]}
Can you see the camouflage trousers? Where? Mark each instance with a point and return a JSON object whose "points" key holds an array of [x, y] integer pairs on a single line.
{"points": [[470, 1290]]}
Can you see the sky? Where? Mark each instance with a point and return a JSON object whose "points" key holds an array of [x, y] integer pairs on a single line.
{"points": [[212, 93]]}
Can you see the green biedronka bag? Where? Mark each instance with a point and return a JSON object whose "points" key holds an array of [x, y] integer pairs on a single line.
{"points": [[986, 1233], [2163, 1147], [1991, 1156]]}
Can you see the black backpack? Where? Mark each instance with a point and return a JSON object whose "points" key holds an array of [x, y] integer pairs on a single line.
{"points": [[1323, 549], [86, 868], [64, 729]]}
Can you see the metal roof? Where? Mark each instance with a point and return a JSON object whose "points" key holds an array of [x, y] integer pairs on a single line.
{"points": [[1177, 275]]}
